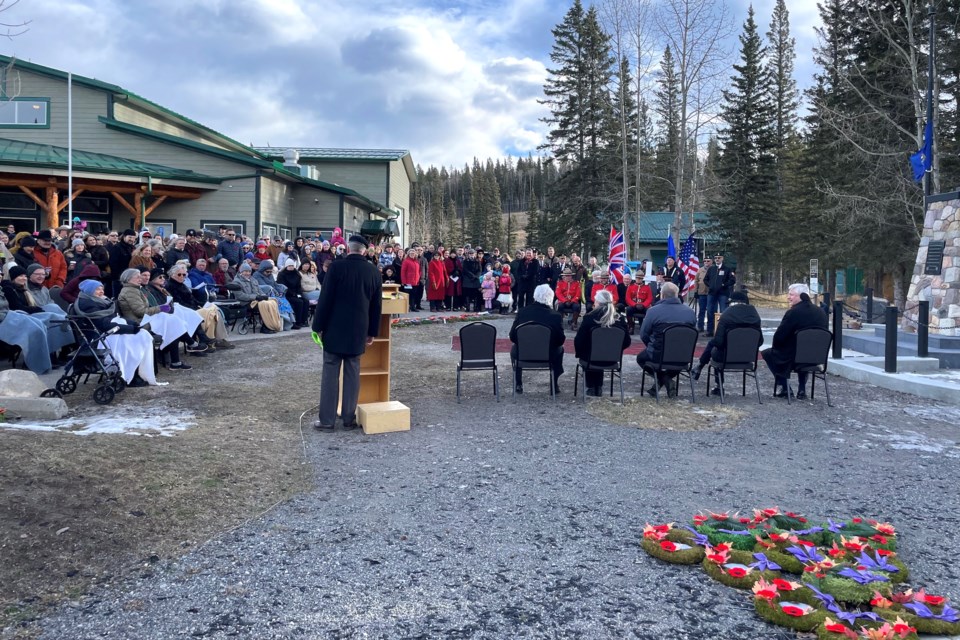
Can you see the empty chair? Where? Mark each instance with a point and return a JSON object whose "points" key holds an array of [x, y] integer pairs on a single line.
{"points": [[606, 354], [675, 358], [533, 351], [812, 355], [740, 354], [478, 343]]}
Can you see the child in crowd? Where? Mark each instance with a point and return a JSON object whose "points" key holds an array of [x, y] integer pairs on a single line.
{"points": [[488, 289], [504, 286]]}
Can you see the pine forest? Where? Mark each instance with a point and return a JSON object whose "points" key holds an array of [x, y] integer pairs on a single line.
{"points": [[679, 106]]}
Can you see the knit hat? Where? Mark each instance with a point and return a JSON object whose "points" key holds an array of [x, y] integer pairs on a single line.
{"points": [[261, 243], [358, 240], [45, 235], [248, 255], [266, 264], [739, 296], [33, 268], [78, 242], [128, 232], [89, 286], [16, 271], [29, 241], [245, 267], [155, 273]]}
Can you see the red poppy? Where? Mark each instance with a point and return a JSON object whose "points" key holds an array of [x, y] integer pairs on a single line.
{"points": [[744, 520], [783, 585], [793, 610], [720, 516], [858, 520], [884, 528], [723, 546], [834, 627], [879, 538], [666, 545], [766, 594], [935, 601], [719, 558], [885, 553], [699, 519], [879, 601], [902, 628], [771, 512], [737, 572], [806, 543]]}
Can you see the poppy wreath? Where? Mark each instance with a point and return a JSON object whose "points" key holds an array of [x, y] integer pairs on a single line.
{"points": [[742, 532], [926, 612], [837, 630], [414, 322], [795, 615], [737, 569], [670, 544], [848, 589]]}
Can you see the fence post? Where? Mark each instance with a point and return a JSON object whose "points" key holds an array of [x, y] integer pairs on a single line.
{"points": [[826, 302], [890, 340], [869, 293], [923, 322], [837, 330]]}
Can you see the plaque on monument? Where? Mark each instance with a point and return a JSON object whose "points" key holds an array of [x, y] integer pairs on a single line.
{"points": [[934, 264]]}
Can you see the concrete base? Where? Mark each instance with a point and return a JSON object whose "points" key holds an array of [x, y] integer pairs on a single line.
{"points": [[905, 364], [34, 408], [872, 341], [859, 371]]}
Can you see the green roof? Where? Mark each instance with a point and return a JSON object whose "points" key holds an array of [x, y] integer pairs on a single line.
{"points": [[320, 153], [654, 226], [29, 154]]}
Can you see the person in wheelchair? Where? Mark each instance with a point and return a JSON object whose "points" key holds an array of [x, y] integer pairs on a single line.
{"points": [[249, 292]]}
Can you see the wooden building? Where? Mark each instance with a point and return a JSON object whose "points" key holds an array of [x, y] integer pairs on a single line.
{"points": [[135, 161]]}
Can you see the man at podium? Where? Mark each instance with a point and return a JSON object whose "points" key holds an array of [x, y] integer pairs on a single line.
{"points": [[347, 319]]}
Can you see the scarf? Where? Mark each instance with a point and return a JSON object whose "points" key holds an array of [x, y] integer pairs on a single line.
{"points": [[96, 307]]}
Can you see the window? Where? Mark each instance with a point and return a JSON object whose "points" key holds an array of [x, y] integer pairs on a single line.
{"points": [[25, 112], [17, 200], [213, 226], [286, 233], [19, 223], [268, 231], [82, 204], [93, 226]]}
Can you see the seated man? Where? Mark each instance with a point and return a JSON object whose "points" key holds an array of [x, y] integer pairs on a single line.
{"points": [[568, 297], [668, 312], [541, 312], [739, 313], [802, 314], [638, 298]]}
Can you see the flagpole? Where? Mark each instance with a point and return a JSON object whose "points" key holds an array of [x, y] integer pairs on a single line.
{"points": [[928, 182], [70, 149]]}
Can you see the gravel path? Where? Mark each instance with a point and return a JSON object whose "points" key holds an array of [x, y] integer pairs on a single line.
{"points": [[522, 519]]}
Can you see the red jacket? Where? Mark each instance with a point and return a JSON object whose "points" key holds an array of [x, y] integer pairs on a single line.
{"points": [[639, 295], [410, 272], [436, 280], [612, 288], [57, 263], [568, 292]]}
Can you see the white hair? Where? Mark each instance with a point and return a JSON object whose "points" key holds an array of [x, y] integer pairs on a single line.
{"points": [[129, 274], [603, 304], [669, 290], [543, 294], [799, 288], [356, 247]]}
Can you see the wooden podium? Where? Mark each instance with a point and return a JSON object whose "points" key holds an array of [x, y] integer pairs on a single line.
{"points": [[376, 413]]}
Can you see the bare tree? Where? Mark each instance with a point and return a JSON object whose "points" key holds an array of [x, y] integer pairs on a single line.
{"points": [[11, 29], [695, 30]]}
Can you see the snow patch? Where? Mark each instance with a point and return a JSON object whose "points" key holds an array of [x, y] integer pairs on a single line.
{"points": [[113, 424]]}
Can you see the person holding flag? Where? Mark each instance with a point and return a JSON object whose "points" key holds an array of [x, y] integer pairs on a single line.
{"points": [[616, 256], [690, 264]]}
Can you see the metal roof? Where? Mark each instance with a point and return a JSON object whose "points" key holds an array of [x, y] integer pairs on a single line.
{"points": [[30, 154], [321, 153], [654, 226]]}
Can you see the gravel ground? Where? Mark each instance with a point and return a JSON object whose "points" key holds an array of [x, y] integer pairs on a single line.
{"points": [[522, 519]]}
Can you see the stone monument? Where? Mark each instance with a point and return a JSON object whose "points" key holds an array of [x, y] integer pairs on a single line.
{"points": [[936, 276]]}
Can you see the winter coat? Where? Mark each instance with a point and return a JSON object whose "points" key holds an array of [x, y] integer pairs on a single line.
{"points": [[436, 281], [489, 289], [735, 316], [249, 289], [540, 314], [348, 311], [120, 254], [410, 272], [568, 292], [196, 250], [720, 280], [17, 298], [803, 315], [471, 273], [454, 270], [100, 257], [584, 338], [54, 260], [505, 283], [665, 313], [527, 276], [71, 290], [133, 303], [173, 256], [230, 249]]}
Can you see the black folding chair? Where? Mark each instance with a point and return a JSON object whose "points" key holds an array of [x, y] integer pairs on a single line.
{"points": [[533, 351], [811, 357], [606, 354], [675, 359], [741, 352], [478, 345]]}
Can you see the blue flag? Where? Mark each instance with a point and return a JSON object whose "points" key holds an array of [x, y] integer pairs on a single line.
{"points": [[671, 247], [922, 160]]}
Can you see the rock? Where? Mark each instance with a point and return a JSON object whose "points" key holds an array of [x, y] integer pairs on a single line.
{"points": [[34, 408], [20, 383]]}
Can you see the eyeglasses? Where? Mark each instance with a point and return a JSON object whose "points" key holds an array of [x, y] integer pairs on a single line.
{"points": [[231, 235], [179, 275]]}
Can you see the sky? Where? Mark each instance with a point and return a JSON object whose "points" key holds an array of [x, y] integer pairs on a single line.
{"points": [[448, 81]]}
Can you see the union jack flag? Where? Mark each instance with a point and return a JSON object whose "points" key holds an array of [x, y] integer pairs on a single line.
{"points": [[689, 262], [617, 257]]}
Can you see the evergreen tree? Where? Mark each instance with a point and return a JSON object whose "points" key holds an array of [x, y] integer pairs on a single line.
{"points": [[493, 212], [534, 229], [782, 54], [454, 230], [747, 166], [666, 105]]}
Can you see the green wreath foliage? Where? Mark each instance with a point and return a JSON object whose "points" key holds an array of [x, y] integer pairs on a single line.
{"points": [[923, 625], [771, 612], [740, 543], [693, 555], [847, 590], [716, 572], [787, 561], [823, 634]]}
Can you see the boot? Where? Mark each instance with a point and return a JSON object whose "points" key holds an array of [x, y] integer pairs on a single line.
{"points": [[574, 323]]}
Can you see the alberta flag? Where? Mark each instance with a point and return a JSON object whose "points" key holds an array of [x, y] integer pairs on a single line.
{"points": [[689, 262], [617, 258], [922, 160]]}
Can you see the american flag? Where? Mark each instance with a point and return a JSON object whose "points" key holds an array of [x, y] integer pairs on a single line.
{"points": [[617, 258], [689, 262]]}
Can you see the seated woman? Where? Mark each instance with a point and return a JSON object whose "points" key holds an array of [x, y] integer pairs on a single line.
{"points": [[36, 276], [290, 278], [249, 292], [142, 257], [38, 333], [202, 282], [308, 280], [604, 314], [131, 347], [214, 334], [134, 307], [223, 274]]}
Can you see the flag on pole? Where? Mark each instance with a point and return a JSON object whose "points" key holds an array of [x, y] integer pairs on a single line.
{"points": [[689, 262], [617, 255], [922, 160], [671, 247]]}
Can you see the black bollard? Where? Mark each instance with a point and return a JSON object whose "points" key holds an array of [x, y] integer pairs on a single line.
{"points": [[825, 303], [923, 329], [837, 330], [890, 342], [869, 293]]}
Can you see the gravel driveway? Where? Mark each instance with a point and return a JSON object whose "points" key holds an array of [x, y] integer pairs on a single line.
{"points": [[522, 519]]}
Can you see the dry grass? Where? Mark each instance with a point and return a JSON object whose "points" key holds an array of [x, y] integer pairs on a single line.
{"points": [[83, 510], [668, 415]]}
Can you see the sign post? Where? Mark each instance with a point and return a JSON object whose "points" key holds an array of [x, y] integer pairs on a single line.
{"points": [[814, 276]]}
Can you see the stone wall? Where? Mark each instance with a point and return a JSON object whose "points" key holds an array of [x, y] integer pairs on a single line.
{"points": [[942, 222]]}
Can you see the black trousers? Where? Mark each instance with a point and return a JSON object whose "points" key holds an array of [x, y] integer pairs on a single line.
{"points": [[301, 309], [556, 362]]}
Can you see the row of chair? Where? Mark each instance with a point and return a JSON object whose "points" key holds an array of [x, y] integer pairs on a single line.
{"points": [[478, 353]]}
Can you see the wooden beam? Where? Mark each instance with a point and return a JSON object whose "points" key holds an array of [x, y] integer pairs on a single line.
{"points": [[105, 187], [156, 203], [33, 196], [123, 201], [138, 205], [69, 200], [53, 198]]}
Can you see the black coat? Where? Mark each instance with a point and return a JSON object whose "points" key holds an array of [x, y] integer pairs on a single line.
{"points": [[734, 317], [348, 311], [584, 340], [471, 273], [802, 315], [527, 275], [720, 280], [17, 298], [120, 254], [541, 314], [676, 276], [182, 294]]}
